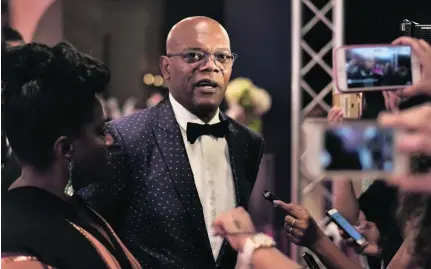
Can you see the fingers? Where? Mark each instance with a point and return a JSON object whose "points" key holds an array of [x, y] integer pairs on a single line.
{"points": [[293, 239], [218, 230], [362, 225], [343, 234], [231, 222], [415, 143], [425, 45], [293, 234], [412, 90], [289, 220], [290, 209], [386, 98], [392, 100], [335, 115], [418, 47], [414, 119], [415, 183]]}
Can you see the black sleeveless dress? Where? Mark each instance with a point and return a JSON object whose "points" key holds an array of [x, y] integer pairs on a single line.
{"points": [[43, 225]]}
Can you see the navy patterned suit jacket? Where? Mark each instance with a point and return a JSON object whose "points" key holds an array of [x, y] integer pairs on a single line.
{"points": [[151, 199]]}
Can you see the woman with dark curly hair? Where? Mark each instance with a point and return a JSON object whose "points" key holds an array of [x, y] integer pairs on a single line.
{"points": [[55, 126]]}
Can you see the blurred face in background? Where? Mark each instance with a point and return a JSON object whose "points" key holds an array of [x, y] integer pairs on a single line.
{"points": [[369, 64]]}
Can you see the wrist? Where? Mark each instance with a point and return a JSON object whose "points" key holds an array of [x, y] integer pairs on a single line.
{"points": [[320, 241], [243, 242], [253, 243]]}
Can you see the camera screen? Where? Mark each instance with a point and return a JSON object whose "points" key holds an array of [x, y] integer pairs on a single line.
{"points": [[378, 66], [357, 148]]}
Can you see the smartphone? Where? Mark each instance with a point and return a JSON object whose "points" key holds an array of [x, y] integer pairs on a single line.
{"points": [[310, 261], [348, 228], [269, 196], [350, 104], [360, 68], [354, 149]]}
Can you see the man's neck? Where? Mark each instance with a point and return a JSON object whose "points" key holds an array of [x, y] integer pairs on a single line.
{"points": [[48, 181]]}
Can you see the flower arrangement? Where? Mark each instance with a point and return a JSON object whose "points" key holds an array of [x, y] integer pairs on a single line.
{"points": [[247, 103]]}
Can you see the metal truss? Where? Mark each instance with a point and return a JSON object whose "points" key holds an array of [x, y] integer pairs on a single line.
{"points": [[306, 16]]}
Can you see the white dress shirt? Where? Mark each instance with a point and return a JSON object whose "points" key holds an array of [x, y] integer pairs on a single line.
{"points": [[209, 160]]}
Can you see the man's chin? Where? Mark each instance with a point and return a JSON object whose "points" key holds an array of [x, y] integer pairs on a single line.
{"points": [[207, 107]]}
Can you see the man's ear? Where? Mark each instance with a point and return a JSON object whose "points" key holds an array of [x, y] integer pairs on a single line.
{"points": [[63, 148], [164, 67]]}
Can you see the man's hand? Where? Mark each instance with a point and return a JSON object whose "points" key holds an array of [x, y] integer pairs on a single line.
{"points": [[236, 226]]}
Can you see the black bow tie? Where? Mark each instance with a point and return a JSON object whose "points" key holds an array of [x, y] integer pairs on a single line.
{"points": [[194, 130]]}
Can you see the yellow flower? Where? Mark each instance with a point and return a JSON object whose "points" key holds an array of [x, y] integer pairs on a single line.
{"points": [[236, 89], [261, 101]]}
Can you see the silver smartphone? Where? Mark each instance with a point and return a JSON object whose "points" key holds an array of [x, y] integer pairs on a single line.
{"points": [[360, 68]]}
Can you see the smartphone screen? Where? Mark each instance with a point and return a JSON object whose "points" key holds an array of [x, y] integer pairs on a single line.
{"points": [[355, 149], [346, 226], [378, 66], [358, 148]]}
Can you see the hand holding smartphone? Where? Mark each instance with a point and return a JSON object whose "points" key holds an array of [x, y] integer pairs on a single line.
{"points": [[354, 149], [359, 68], [344, 225]]}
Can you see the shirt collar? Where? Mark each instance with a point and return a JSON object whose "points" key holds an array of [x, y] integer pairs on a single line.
{"points": [[183, 116]]}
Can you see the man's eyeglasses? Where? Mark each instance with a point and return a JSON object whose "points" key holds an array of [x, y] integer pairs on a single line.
{"points": [[195, 58]]}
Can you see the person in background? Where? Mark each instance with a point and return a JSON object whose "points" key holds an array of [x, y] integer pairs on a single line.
{"points": [[380, 202], [181, 162], [55, 126], [415, 208]]}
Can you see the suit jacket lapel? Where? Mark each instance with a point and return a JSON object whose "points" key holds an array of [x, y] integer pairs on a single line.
{"points": [[236, 146], [171, 144]]}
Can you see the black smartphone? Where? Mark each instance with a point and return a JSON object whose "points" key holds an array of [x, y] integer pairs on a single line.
{"points": [[348, 228], [310, 261], [269, 196]]}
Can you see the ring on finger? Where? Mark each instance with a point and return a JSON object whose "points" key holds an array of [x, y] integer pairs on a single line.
{"points": [[290, 230]]}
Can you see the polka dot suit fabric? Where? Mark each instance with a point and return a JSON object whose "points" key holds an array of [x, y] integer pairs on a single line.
{"points": [[150, 198]]}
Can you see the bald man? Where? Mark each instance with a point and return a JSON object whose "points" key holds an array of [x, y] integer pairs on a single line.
{"points": [[179, 164]]}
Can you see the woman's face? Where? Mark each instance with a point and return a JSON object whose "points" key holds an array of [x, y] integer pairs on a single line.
{"points": [[90, 151]]}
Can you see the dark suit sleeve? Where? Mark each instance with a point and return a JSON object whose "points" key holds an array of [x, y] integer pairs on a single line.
{"points": [[108, 196]]}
